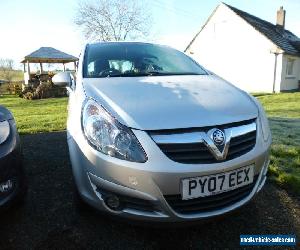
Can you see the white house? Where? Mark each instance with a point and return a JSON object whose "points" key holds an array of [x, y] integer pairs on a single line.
{"points": [[253, 54]]}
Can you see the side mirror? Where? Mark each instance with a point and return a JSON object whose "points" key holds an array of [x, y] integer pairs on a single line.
{"points": [[62, 79]]}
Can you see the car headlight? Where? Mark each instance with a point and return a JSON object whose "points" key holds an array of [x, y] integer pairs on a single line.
{"points": [[109, 136], [263, 120], [4, 131]]}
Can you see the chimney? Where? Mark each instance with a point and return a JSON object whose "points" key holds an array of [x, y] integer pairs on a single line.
{"points": [[280, 22]]}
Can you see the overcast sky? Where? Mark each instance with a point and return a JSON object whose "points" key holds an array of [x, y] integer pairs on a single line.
{"points": [[27, 25]]}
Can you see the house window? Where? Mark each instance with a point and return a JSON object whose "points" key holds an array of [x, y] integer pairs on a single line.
{"points": [[290, 67]]}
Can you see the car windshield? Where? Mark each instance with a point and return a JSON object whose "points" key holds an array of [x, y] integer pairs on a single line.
{"points": [[136, 59]]}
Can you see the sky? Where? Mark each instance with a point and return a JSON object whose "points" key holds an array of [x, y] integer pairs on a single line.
{"points": [[27, 25]]}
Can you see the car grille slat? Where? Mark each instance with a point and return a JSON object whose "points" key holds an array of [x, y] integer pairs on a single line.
{"points": [[209, 203], [244, 147], [198, 152], [243, 139], [183, 147], [185, 156]]}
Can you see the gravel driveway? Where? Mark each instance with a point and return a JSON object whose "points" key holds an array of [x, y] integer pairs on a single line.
{"points": [[48, 219]]}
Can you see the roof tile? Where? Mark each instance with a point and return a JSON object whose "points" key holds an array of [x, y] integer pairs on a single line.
{"points": [[45, 53], [283, 38]]}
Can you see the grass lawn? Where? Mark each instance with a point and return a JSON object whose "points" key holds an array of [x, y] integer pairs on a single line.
{"points": [[283, 111], [39, 115], [284, 115]]}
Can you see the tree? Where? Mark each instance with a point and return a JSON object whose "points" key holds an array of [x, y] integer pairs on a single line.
{"points": [[6, 69], [113, 20]]}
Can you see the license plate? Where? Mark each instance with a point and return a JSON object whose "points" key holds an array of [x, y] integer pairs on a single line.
{"points": [[218, 183]]}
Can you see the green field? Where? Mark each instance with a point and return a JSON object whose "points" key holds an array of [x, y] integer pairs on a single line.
{"points": [[284, 115], [283, 111], [43, 115]]}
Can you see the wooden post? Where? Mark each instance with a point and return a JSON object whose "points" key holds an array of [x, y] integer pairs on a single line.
{"points": [[25, 77], [275, 72], [64, 67], [28, 67], [75, 66], [26, 74], [41, 66]]}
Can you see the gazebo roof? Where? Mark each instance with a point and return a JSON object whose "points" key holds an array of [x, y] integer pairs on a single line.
{"points": [[49, 55]]}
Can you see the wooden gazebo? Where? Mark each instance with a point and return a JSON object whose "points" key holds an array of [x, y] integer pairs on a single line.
{"points": [[44, 55]]}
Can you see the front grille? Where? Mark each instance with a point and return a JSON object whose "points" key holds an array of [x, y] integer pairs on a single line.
{"points": [[198, 153], [241, 145], [187, 153], [209, 203]]}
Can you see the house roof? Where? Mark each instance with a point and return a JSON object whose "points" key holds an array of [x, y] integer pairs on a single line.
{"points": [[49, 55], [284, 39]]}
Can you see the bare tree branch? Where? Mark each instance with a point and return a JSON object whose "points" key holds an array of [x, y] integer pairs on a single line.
{"points": [[108, 20], [6, 69]]}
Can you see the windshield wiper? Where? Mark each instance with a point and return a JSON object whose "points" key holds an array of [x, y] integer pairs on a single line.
{"points": [[158, 73], [189, 73]]}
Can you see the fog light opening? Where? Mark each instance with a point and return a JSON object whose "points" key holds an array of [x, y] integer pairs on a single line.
{"points": [[6, 186], [113, 202]]}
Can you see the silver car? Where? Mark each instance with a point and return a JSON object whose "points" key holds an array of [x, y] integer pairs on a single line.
{"points": [[154, 136]]}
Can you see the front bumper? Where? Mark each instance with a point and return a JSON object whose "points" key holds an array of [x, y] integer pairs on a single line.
{"points": [[144, 187], [11, 172]]}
